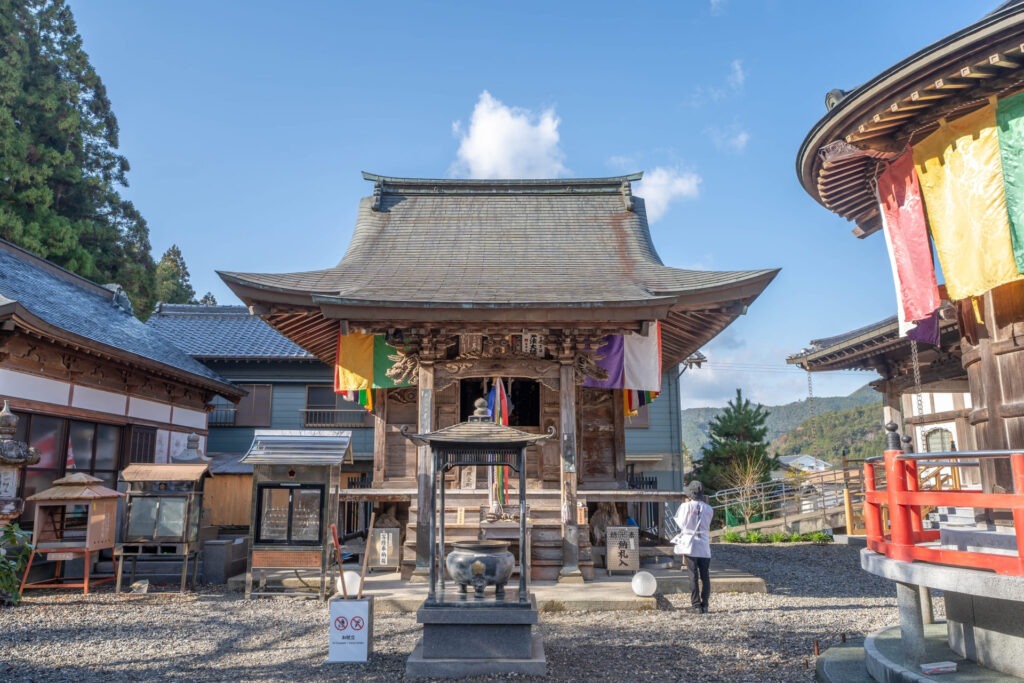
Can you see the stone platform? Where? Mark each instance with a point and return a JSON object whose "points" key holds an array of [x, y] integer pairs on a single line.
{"points": [[469, 636], [884, 655], [604, 593]]}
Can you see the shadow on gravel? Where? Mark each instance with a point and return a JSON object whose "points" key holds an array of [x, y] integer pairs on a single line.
{"points": [[662, 603]]}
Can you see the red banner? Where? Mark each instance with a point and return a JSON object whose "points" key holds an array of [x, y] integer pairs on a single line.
{"points": [[899, 195]]}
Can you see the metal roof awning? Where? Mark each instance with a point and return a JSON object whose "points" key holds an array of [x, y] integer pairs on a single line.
{"points": [[299, 447]]}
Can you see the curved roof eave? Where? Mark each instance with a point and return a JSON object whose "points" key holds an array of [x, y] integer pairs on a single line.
{"points": [[867, 98]]}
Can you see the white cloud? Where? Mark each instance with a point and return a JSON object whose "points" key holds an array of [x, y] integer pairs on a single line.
{"points": [[717, 6], [729, 138], [661, 186], [508, 142], [737, 76], [734, 82]]}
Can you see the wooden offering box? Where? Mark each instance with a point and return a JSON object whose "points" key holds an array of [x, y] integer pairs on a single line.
{"points": [[77, 517]]}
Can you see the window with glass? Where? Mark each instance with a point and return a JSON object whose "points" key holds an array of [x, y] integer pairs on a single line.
{"points": [[158, 518], [938, 441], [324, 408], [94, 448], [222, 412], [289, 514], [67, 446]]}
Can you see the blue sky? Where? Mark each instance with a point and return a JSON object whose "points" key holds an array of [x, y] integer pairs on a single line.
{"points": [[247, 125]]}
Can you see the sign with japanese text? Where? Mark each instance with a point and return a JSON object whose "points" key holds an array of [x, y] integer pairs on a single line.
{"points": [[623, 549], [383, 549]]}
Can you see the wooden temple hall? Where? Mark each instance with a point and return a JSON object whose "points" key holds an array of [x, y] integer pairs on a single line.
{"points": [[546, 296]]}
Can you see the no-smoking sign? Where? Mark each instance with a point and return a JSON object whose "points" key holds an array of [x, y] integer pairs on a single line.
{"points": [[350, 630]]}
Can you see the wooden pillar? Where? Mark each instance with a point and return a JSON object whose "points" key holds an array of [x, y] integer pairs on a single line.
{"points": [[993, 359], [423, 469], [570, 571], [892, 406], [380, 436]]}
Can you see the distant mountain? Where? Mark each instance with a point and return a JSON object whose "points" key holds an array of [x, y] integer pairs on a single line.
{"points": [[781, 419], [857, 430]]}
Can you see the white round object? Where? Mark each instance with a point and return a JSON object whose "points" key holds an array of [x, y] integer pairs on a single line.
{"points": [[352, 584], [644, 584]]}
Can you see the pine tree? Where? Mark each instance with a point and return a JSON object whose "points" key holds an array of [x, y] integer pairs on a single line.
{"points": [[172, 279], [60, 168], [737, 434], [208, 300]]}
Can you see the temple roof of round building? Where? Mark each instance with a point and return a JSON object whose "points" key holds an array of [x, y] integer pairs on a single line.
{"points": [[533, 252], [838, 160], [871, 347]]}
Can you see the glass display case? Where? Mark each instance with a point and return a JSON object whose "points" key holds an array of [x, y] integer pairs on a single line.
{"points": [[163, 515], [289, 513], [296, 475]]}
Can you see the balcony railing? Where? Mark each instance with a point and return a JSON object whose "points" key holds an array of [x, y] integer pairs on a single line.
{"points": [[906, 502], [222, 416], [331, 417]]}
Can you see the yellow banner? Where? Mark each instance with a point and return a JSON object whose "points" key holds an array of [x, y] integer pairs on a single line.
{"points": [[354, 369], [962, 183]]}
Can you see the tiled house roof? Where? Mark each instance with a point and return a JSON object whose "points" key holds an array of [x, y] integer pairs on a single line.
{"points": [[222, 332], [68, 307]]}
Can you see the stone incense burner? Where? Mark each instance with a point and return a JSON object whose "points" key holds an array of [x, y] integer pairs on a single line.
{"points": [[480, 564]]}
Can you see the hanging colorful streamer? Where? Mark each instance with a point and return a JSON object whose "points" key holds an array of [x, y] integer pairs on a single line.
{"points": [[1010, 127], [362, 364], [633, 363], [906, 236], [497, 406], [961, 181]]}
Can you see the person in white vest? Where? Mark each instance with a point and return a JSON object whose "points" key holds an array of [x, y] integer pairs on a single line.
{"points": [[693, 542]]}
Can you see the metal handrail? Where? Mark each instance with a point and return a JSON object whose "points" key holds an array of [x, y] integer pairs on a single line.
{"points": [[800, 494], [333, 417]]}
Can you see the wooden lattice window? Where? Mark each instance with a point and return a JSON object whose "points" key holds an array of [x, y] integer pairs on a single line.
{"points": [[938, 441], [142, 444]]}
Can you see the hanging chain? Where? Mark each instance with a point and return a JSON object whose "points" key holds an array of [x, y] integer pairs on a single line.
{"points": [[810, 396], [917, 378]]}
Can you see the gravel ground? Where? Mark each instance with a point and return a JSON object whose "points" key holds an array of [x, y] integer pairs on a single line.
{"points": [[815, 593]]}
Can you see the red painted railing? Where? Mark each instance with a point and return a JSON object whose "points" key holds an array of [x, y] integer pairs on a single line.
{"points": [[907, 540]]}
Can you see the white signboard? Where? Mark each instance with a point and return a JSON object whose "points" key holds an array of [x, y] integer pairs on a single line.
{"points": [[623, 549], [351, 630]]}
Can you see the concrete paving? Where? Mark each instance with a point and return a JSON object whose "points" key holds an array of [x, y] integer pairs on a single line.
{"points": [[604, 593]]}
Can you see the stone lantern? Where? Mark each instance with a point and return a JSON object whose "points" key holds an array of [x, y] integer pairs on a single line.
{"points": [[13, 456]]}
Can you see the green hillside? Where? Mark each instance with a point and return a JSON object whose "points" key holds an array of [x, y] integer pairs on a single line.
{"points": [[858, 429], [781, 419]]}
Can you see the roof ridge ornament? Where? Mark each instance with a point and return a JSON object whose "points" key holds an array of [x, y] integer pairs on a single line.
{"points": [[378, 192], [627, 195]]}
